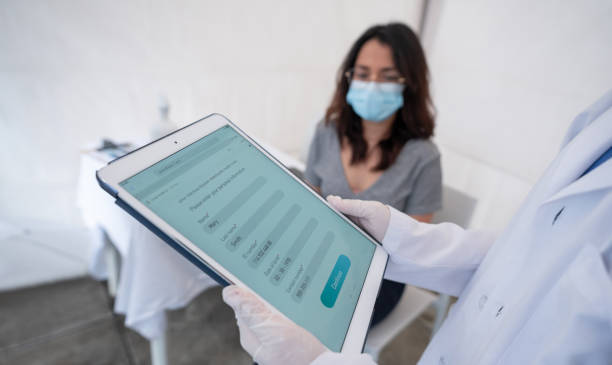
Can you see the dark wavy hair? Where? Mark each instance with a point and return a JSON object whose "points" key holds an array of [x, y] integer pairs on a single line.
{"points": [[415, 120]]}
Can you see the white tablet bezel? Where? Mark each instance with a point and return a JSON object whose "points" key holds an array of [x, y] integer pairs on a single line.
{"points": [[156, 151]]}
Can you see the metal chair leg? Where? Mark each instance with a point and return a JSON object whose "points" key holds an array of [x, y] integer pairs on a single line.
{"points": [[441, 306]]}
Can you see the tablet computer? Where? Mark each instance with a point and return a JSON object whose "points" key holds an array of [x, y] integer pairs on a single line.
{"points": [[220, 199]]}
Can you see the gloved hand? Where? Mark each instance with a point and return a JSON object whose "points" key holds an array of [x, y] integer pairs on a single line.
{"points": [[266, 335], [373, 216]]}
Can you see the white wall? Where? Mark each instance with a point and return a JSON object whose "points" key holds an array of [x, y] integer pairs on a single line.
{"points": [[74, 71], [508, 78]]}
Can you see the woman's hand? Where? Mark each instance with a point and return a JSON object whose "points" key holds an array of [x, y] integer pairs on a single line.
{"points": [[266, 335], [371, 215]]}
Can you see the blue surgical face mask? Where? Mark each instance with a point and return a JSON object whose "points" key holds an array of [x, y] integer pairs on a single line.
{"points": [[375, 101]]}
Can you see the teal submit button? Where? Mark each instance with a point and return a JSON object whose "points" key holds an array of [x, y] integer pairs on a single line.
{"points": [[334, 283]]}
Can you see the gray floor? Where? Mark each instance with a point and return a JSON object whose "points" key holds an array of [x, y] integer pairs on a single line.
{"points": [[71, 322]]}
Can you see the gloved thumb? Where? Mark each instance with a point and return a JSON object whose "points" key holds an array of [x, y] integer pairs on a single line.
{"points": [[350, 207], [248, 308], [371, 215]]}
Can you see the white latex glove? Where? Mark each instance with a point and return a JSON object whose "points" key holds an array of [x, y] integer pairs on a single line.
{"points": [[373, 216], [266, 335]]}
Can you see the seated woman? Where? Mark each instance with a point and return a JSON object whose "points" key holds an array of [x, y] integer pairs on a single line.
{"points": [[374, 141]]}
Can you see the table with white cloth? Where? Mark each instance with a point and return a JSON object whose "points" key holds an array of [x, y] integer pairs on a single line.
{"points": [[152, 276]]}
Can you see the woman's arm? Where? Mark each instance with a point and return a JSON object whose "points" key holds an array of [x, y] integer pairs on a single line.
{"points": [[424, 218], [314, 154], [426, 191]]}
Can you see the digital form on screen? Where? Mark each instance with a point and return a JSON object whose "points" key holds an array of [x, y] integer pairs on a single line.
{"points": [[243, 210]]}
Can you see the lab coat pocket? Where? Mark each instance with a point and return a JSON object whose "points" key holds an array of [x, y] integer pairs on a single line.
{"points": [[573, 322]]}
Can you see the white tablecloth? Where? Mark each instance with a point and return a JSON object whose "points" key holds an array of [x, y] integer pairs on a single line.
{"points": [[153, 277]]}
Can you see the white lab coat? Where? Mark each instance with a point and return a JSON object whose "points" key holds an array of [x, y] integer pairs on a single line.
{"points": [[541, 293]]}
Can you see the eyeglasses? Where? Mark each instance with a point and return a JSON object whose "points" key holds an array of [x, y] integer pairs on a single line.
{"points": [[385, 76]]}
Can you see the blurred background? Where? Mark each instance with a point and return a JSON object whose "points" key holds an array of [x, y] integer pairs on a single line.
{"points": [[507, 78]]}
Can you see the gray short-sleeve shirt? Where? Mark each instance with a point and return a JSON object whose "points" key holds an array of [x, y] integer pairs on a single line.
{"points": [[412, 184]]}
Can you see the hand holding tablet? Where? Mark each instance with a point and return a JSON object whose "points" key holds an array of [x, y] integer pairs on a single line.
{"points": [[222, 201], [267, 335], [372, 216]]}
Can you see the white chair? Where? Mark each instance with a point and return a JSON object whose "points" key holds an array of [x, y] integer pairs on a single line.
{"points": [[413, 302], [457, 208]]}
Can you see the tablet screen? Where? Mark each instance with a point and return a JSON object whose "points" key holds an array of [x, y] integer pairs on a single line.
{"points": [[229, 199]]}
